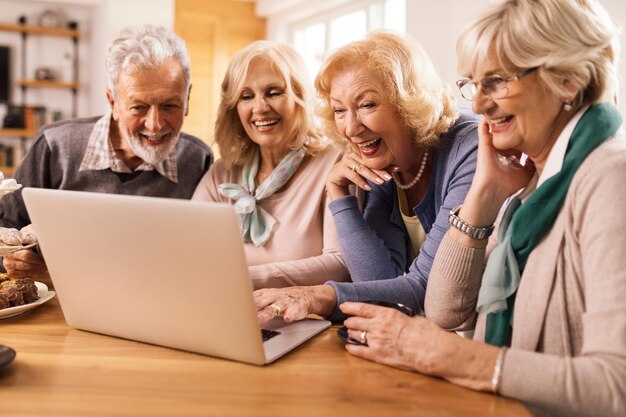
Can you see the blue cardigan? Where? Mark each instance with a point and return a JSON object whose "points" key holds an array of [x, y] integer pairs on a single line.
{"points": [[375, 243]]}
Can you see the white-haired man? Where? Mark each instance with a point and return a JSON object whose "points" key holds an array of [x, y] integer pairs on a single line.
{"points": [[137, 148]]}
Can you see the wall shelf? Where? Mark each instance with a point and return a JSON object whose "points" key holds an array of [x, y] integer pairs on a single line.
{"points": [[18, 133], [47, 84], [39, 30], [34, 116]]}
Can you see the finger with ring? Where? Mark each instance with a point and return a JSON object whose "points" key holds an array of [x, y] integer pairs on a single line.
{"points": [[276, 309], [356, 167], [363, 337]]}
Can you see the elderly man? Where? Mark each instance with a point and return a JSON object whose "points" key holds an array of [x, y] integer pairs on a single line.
{"points": [[137, 148]]}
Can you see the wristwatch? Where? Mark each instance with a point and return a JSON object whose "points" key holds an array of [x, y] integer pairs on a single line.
{"points": [[477, 233]]}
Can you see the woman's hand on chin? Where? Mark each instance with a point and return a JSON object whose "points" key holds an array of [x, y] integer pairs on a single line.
{"points": [[294, 303], [496, 178], [499, 172], [352, 170]]}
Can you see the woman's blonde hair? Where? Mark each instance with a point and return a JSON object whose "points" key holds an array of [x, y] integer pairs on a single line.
{"points": [[568, 40], [236, 148], [405, 73]]}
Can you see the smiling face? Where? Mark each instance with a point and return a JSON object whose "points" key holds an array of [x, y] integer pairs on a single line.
{"points": [[529, 119], [266, 109], [149, 110], [365, 116]]}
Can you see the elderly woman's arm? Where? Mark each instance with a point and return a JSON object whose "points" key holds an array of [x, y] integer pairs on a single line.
{"points": [[374, 246], [454, 284], [308, 271], [457, 269]]}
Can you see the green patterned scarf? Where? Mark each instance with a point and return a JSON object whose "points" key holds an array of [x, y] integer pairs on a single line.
{"points": [[523, 226]]}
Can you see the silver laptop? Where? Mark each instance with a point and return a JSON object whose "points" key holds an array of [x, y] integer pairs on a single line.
{"points": [[162, 271]]}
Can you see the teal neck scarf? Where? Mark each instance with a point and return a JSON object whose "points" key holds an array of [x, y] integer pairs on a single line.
{"points": [[523, 226], [256, 223]]}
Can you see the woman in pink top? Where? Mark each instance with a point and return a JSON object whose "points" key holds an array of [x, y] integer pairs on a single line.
{"points": [[272, 168]]}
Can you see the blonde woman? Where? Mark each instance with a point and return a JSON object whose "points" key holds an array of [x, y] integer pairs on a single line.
{"points": [[412, 155], [272, 168]]}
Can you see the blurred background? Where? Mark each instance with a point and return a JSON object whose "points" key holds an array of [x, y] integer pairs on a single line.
{"points": [[55, 69]]}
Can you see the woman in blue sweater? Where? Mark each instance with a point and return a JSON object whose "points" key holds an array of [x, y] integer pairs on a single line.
{"points": [[412, 156]]}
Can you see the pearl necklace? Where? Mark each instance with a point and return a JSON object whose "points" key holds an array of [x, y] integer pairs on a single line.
{"points": [[417, 177]]}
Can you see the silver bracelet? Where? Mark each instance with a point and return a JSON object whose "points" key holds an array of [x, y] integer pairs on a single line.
{"points": [[497, 371], [477, 233]]}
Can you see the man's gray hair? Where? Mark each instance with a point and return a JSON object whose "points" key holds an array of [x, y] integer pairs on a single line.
{"points": [[145, 46]]}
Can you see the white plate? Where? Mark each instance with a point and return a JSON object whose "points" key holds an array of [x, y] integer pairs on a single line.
{"points": [[44, 296], [5, 250]]}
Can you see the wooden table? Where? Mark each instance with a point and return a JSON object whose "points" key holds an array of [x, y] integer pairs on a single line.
{"points": [[61, 371]]}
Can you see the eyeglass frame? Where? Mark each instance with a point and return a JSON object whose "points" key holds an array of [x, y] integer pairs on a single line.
{"points": [[465, 81]]}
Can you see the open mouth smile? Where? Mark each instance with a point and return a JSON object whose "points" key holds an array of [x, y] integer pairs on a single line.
{"points": [[155, 139], [370, 147], [500, 124], [265, 124]]}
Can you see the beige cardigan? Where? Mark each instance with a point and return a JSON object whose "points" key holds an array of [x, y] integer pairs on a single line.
{"points": [[568, 350]]}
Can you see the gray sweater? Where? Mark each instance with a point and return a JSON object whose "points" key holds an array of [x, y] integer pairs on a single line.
{"points": [[54, 159]]}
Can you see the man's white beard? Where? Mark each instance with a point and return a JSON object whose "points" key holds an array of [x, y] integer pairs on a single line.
{"points": [[153, 155]]}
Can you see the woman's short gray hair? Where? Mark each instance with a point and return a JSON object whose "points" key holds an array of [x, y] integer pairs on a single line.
{"points": [[145, 46], [571, 41]]}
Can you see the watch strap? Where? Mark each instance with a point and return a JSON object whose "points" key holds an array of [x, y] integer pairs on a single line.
{"points": [[477, 233]]}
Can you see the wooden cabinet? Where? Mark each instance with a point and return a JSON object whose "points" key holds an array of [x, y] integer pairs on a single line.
{"points": [[213, 31], [10, 151]]}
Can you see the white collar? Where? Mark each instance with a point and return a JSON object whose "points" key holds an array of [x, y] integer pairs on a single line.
{"points": [[557, 153]]}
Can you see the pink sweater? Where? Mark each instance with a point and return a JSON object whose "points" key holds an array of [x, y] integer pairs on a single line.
{"points": [[303, 248]]}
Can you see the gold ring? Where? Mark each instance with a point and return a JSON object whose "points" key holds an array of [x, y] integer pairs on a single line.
{"points": [[276, 309], [356, 167], [363, 337]]}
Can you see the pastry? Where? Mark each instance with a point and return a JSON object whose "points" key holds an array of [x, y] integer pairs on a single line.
{"points": [[13, 237], [10, 237], [16, 292]]}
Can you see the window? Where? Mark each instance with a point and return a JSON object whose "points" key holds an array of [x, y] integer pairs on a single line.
{"points": [[314, 37]]}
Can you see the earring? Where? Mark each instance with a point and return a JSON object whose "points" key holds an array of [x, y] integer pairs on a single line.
{"points": [[567, 106]]}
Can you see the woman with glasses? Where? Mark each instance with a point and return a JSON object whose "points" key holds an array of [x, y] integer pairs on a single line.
{"points": [[546, 294], [412, 155]]}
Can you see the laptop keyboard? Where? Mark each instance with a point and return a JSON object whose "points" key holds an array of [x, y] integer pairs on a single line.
{"points": [[268, 334]]}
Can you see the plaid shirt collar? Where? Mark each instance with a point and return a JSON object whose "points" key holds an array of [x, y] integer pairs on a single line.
{"points": [[99, 155]]}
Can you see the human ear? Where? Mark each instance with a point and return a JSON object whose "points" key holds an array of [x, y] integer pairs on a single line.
{"points": [[572, 90], [188, 98], [111, 100]]}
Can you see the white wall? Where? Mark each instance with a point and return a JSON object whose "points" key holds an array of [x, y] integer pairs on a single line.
{"points": [[98, 21], [113, 15], [435, 24]]}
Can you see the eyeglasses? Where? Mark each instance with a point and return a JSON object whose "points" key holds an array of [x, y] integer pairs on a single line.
{"points": [[494, 86]]}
